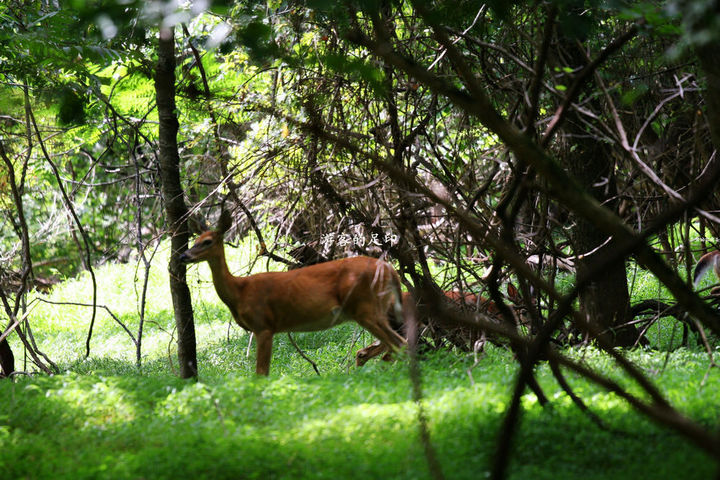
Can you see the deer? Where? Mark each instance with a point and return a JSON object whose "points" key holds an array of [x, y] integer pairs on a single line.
{"points": [[708, 261], [455, 297], [313, 298]]}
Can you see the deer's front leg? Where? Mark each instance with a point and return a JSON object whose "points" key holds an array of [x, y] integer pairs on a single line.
{"points": [[264, 352]]}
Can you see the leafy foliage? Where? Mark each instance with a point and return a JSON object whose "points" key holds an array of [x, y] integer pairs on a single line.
{"points": [[291, 112]]}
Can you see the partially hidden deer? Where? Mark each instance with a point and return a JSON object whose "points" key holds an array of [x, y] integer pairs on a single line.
{"points": [[312, 298], [464, 299], [708, 261]]}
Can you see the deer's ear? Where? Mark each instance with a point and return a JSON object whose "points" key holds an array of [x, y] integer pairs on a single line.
{"points": [[225, 221], [197, 224]]}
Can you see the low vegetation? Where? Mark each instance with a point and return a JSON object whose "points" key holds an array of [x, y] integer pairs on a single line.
{"points": [[564, 147], [103, 417]]}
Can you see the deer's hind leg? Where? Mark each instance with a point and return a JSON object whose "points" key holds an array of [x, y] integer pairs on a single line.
{"points": [[376, 322]]}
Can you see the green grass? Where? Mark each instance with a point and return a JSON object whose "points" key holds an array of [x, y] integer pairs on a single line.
{"points": [[103, 417], [341, 425]]}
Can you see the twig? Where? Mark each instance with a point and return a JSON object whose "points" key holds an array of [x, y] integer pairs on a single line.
{"points": [[15, 324], [250, 339], [227, 180], [416, 380], [81, 229], [562, 381], [582, 77], [302, 354], [29, 348], [94, 305]]}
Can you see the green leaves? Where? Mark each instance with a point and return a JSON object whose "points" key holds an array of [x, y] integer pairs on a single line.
{"points": [[631, 96], [257, 37], [576, 22], [356, 69], [71, 106]]}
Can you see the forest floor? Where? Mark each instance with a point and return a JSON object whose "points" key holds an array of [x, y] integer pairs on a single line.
{"points": [[103, 417]]}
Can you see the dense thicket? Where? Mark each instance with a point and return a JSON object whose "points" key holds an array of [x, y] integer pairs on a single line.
{"points": [[532, 143]]}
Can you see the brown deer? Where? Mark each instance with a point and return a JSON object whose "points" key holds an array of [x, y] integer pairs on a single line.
{"points": [[708, 261], [311, 298], [462, 300]]}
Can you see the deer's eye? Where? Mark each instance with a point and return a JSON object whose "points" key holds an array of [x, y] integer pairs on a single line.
{"points": [[206, 243]]}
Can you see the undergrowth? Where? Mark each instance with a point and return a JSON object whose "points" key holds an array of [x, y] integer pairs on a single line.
{"points": [[105, 417]]}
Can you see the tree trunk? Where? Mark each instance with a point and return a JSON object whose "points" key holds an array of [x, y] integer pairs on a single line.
{"points": [[173, 198], [605, 300], [7, 359], [709, 56]]}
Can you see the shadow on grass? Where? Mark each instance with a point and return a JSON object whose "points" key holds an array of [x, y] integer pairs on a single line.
{"points": [[117, 424]]}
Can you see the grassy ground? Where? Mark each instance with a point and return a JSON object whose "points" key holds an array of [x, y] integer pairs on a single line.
{"points": [[105, 418]]}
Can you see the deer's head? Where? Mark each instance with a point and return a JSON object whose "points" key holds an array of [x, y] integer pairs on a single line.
{"points": [[209, 243]]}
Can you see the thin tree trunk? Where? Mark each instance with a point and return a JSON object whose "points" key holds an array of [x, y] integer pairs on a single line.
{"points": [[605, 301], [7, 359], [710, 63], [173, 198]]}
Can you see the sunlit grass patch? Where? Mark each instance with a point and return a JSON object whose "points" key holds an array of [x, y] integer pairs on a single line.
{"points": [[103, 417]]}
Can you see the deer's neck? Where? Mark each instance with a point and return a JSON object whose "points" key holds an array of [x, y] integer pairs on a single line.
{"points": [[226, 284]]}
